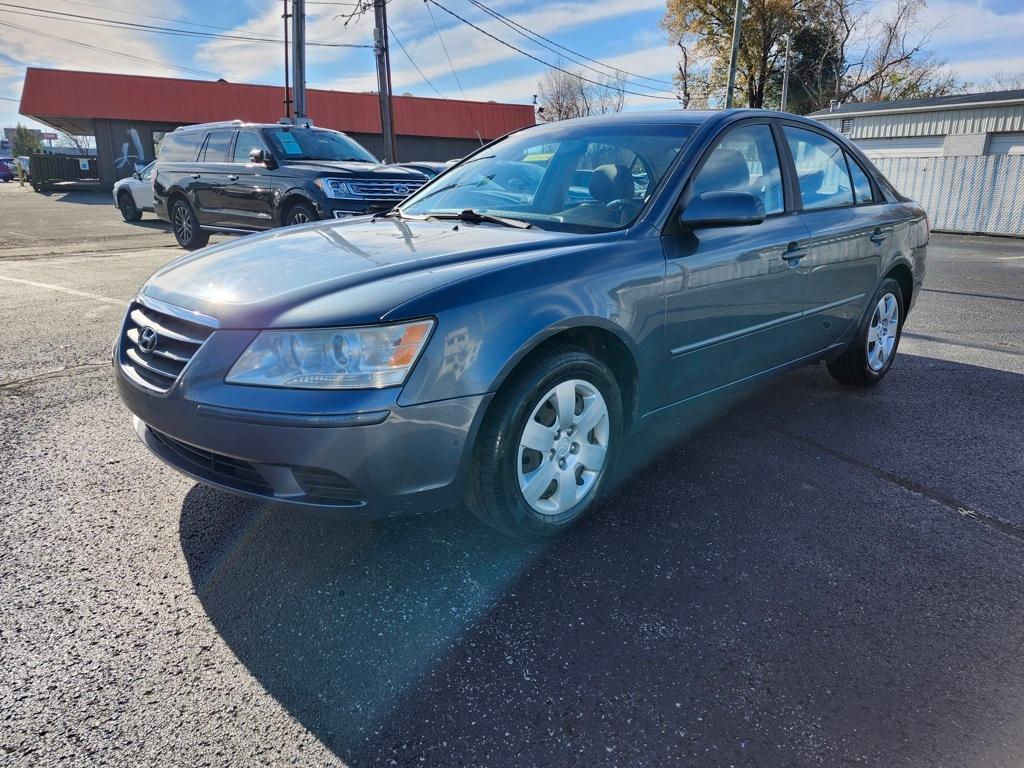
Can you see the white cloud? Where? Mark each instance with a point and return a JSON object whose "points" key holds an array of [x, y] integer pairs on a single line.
{"points": [[411, 23]]}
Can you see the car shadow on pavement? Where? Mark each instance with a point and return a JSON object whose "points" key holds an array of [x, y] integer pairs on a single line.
{"points": [[755, 594]]}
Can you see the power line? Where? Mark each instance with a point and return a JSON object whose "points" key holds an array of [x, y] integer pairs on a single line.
{"points": [[173, 31], [423, 77], [8, 98], [151, 16], [536, 36], [539, 60], [178, 67], [458, 82]]}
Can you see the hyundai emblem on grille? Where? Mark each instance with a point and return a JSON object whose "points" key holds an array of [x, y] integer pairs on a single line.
{"points": [[148, 339]]}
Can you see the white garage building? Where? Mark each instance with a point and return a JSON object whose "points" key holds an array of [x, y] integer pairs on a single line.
{"points": [[961, 157]]}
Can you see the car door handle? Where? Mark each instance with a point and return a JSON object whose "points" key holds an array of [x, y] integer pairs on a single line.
{"points": [[878, 237], [794, 253], [195, 175], [232, 177]]}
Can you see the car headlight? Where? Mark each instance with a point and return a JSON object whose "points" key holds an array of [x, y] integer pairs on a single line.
{"points": [[369, 357], [335, 188]]}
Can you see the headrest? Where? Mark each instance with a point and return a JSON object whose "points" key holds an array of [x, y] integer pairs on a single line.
{"points": [[725, 171], [612, 182]]}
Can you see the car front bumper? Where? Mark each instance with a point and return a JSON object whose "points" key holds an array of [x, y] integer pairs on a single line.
{"points": [[358, 465]]}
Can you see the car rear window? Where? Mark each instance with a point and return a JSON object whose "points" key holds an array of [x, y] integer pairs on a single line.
{"points": [[217, 145], [181, 147]]}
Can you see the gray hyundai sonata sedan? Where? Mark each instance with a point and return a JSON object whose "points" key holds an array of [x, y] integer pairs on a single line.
{"points": [[496, 338]]}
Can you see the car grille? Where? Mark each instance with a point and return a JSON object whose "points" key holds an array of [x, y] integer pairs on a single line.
{"points": [[385, 190], [234, 472], [156, 345], [318, 485]]}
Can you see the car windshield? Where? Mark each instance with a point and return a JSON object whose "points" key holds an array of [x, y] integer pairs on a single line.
{"points": [[316, 144], [574, 177]]}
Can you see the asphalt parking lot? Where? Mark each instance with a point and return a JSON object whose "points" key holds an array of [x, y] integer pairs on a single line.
{"points": [[800, 575]]}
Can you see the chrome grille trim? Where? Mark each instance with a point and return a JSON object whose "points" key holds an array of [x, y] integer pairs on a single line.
{"points": [[385, 190], [179, 335]]}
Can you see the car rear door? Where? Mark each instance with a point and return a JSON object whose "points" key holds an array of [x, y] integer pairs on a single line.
{"points": [[735, 294], [848, 232], [210, 179]]}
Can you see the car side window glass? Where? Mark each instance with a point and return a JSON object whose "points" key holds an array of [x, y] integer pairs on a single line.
{"points": [[820, 168], [148, 173], [216, 149], [744, 160], [246, 142], [861, 184]]}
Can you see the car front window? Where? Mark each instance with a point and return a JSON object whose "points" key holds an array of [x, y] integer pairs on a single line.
{"points": [[583, 178], [317, 144]]}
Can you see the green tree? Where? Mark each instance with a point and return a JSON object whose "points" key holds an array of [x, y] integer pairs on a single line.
{"points": [[706, 26], [24, 141]]}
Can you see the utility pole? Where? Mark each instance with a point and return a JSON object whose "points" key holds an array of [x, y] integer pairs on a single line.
{"points": [[736, 24], [287, 88], [299, 57], [785, 73], [380, 49]]}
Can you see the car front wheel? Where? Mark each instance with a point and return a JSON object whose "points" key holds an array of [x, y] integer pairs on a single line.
{"points": [[129, 211], [186, 226], [869, 357], [299, 213], [548, 444]]}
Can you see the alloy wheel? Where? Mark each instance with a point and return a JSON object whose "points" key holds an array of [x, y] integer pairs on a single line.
{"points": [[563, 447], [882, 332], [299, 217], [182, 223]]}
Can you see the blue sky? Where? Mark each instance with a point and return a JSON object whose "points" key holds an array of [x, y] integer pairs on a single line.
{"points": [[978, 37]]}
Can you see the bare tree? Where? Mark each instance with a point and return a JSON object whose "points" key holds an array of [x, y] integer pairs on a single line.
{"points": [[80, 143], [564, 94], [1001, 81], [855, 58]]}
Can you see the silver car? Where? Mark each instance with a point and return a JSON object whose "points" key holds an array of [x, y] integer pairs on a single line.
{"points": [[134, 194]]}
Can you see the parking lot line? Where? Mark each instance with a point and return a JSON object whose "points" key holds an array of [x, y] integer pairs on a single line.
{"points": [[62, 289]]}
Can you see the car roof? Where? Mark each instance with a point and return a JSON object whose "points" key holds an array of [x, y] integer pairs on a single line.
{"points": [[233, 124], [678, 117]]}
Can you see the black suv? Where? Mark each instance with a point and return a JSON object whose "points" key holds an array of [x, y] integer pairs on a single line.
{"points": [[243, 177]]}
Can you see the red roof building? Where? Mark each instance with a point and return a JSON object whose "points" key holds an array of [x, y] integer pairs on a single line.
{"points": [[128, 114]]}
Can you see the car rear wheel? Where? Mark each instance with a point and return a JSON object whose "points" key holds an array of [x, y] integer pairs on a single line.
{"points": [[127, 206], [870, 356], [299, 213], [548, 445], [186, 226]]}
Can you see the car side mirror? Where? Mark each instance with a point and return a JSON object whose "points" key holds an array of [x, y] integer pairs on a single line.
{"points": [[260, 157], [722, 209], [138, 175]]}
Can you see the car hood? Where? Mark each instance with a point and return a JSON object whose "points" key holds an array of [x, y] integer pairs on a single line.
{"points": [[333, 273], [372, 170]]}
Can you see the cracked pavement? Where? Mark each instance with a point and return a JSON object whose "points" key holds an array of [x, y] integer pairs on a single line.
{"points": [[800, 574]]}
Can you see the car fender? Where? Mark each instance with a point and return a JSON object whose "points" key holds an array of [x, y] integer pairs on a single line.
{"points": [[489, 322]]}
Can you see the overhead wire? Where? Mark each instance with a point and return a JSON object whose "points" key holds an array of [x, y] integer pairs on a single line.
{"points": [[539, 60], [458, 82], [149, 28], [561, 50]]}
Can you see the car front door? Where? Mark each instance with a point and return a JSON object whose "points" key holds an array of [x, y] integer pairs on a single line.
{"points": [[210, 179], [142, 189], [848, 233], [734, 294], [249, 189]]}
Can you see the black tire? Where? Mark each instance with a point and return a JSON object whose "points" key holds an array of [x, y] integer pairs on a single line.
{"points": [[493, 493], [186, 226], [126, 204], [853, 367], [299, 213]]}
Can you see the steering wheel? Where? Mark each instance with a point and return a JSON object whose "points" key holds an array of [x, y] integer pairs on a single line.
{"points": [[618, 204]]}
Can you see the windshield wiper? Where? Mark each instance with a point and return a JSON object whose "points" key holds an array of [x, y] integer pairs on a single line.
{"points": [[475, 217]]}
